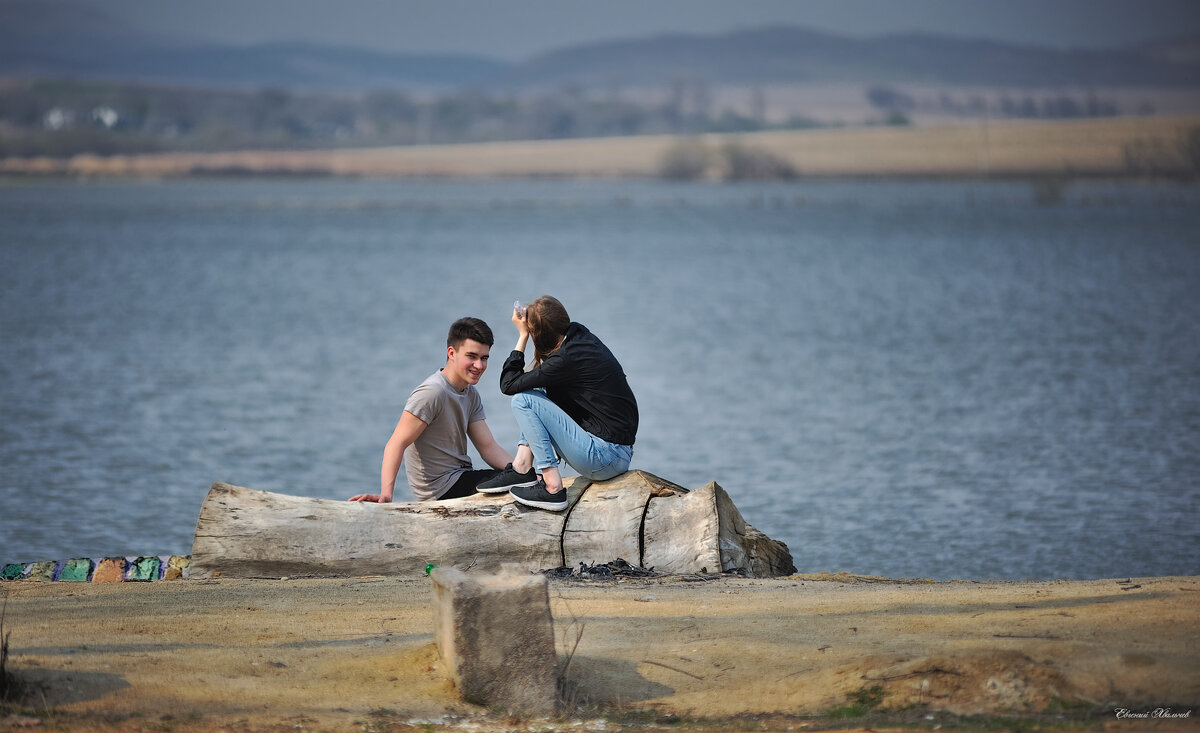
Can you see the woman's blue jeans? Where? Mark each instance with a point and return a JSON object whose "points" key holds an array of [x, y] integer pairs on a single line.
{"points": [[549, 432]]}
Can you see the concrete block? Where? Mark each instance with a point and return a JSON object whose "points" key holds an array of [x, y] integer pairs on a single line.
{"points": [[177, 567], [144, 568], [496, 637], [13, 571], [78, 569], [110, 570], [44, 570]]}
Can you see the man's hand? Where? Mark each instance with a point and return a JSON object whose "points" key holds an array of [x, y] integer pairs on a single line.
{"points": [[377, 498]]}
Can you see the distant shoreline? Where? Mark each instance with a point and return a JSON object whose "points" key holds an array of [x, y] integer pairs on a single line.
{"points": [[1131, 148]]}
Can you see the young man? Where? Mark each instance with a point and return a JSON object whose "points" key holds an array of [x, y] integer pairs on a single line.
{"points": [[441, 413]]}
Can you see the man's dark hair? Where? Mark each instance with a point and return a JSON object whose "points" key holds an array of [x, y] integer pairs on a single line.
{"points": [[469, 328]]}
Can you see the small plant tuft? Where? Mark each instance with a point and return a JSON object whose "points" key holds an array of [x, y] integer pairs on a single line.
{"points": [[863, 701]]}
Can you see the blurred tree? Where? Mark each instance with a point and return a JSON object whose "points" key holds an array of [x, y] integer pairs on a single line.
{"points": [[686, 160]]}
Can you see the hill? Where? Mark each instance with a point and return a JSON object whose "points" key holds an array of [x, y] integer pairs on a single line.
{"points": [[45, 40], [798, 55], [75, 81], [40, 39]]}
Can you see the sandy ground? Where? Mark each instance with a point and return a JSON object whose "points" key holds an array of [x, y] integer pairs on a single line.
{"points": [[359, 653], [1123, 146]]}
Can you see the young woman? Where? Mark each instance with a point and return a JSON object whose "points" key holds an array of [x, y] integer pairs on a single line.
{"points": [[574, 403]]}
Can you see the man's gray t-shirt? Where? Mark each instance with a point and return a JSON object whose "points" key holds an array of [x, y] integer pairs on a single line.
{"points": [[439, 455]]}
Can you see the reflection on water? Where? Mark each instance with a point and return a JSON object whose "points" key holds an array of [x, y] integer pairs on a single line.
{"points": [[936, 380]]}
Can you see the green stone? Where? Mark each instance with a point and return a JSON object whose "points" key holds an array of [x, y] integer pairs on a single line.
{"points": [[145, 568], [78, 570], [12, 571]]}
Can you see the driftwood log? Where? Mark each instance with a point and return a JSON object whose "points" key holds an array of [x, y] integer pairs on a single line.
{"points": [[637, 517]]}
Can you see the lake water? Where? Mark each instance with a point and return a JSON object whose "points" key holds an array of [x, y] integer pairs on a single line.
{"points": [[942, 380]]}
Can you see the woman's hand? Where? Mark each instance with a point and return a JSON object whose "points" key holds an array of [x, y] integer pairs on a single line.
{"points": [[377, 498], [518, 319]]}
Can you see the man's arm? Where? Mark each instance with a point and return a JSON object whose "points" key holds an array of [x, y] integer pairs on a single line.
{"points": [[407, 430], [489, 450]]}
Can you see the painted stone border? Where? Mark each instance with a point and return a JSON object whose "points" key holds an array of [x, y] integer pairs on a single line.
{"points": [[101, 570]]}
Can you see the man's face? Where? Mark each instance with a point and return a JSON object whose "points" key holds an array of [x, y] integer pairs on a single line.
{"points": [[466, 363]]}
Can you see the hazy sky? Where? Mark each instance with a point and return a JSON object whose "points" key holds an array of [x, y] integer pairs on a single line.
{"points": [[515, 29]]}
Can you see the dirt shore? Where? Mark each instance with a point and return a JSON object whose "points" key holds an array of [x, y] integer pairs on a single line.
{"points": [[1122, 147], [802, 652]]}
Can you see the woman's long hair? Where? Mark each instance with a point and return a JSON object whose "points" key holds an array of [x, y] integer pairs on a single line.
{"points": [[548, 322]]}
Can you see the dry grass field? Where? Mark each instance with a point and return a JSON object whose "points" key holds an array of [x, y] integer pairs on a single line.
{"points": [[1110, 147]]}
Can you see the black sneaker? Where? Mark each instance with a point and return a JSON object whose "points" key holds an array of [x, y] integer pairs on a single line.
{"points": [[507, 479], [537, 496]]}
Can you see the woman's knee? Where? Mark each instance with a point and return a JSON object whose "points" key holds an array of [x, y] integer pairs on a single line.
{"points": [[522, 400]]}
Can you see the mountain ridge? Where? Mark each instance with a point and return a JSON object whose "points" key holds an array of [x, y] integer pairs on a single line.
{"points": [[44, 40], [797, 54]]}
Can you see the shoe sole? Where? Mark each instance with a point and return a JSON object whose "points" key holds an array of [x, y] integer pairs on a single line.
{"points": [[549, 505], [502, 489]]}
